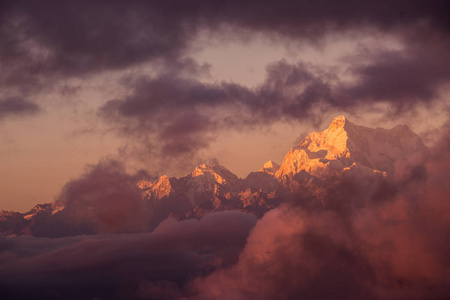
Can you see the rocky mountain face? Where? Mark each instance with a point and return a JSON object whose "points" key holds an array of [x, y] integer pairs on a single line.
{"points": [[345, 148], [344, 145], [22, 223], [311, 168]]}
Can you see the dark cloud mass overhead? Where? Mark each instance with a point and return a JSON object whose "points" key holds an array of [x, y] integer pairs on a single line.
{"points": [[57, 39], [402, 77]]}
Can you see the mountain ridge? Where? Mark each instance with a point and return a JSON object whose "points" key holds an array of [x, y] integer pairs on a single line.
{"points": [[343, 143], [320, 160]]}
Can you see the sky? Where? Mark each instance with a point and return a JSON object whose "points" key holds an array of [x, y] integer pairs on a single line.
{"points": [[167, 85]]}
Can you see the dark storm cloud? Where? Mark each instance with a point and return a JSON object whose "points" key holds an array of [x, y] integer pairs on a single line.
{"points": [[168, 92], [106, 199], [186, 134], [183, 113], [89, 36], [47, 40], [16, 106], [402, 77], [120, 266]]}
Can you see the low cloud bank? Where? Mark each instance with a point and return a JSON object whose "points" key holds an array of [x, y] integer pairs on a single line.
{"points": [[390, 242], [118, 266]]}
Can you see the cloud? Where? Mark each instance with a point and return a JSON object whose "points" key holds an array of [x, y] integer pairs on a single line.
{"points": [[389, 245], [180, 115], [47, 41], [289, 255], [116, 266], [402, 78], [71, 39], [186, 134], [107, 198], [87, 38], [16, 107], [176, 117]]}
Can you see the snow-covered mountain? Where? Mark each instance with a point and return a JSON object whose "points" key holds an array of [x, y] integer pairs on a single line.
{"points": [[204, 184], [311, 168], [22, 223], [263, 180], [344, 146]]}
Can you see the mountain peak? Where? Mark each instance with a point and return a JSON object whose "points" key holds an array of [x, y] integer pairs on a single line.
{"points": [[332, 143], [202, 167], [344, 143], [270, 166], [216, 173], [338, 122], [340, 118]]}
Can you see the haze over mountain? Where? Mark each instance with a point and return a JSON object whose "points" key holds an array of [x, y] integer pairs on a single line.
{"points": [[316, 164]]}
